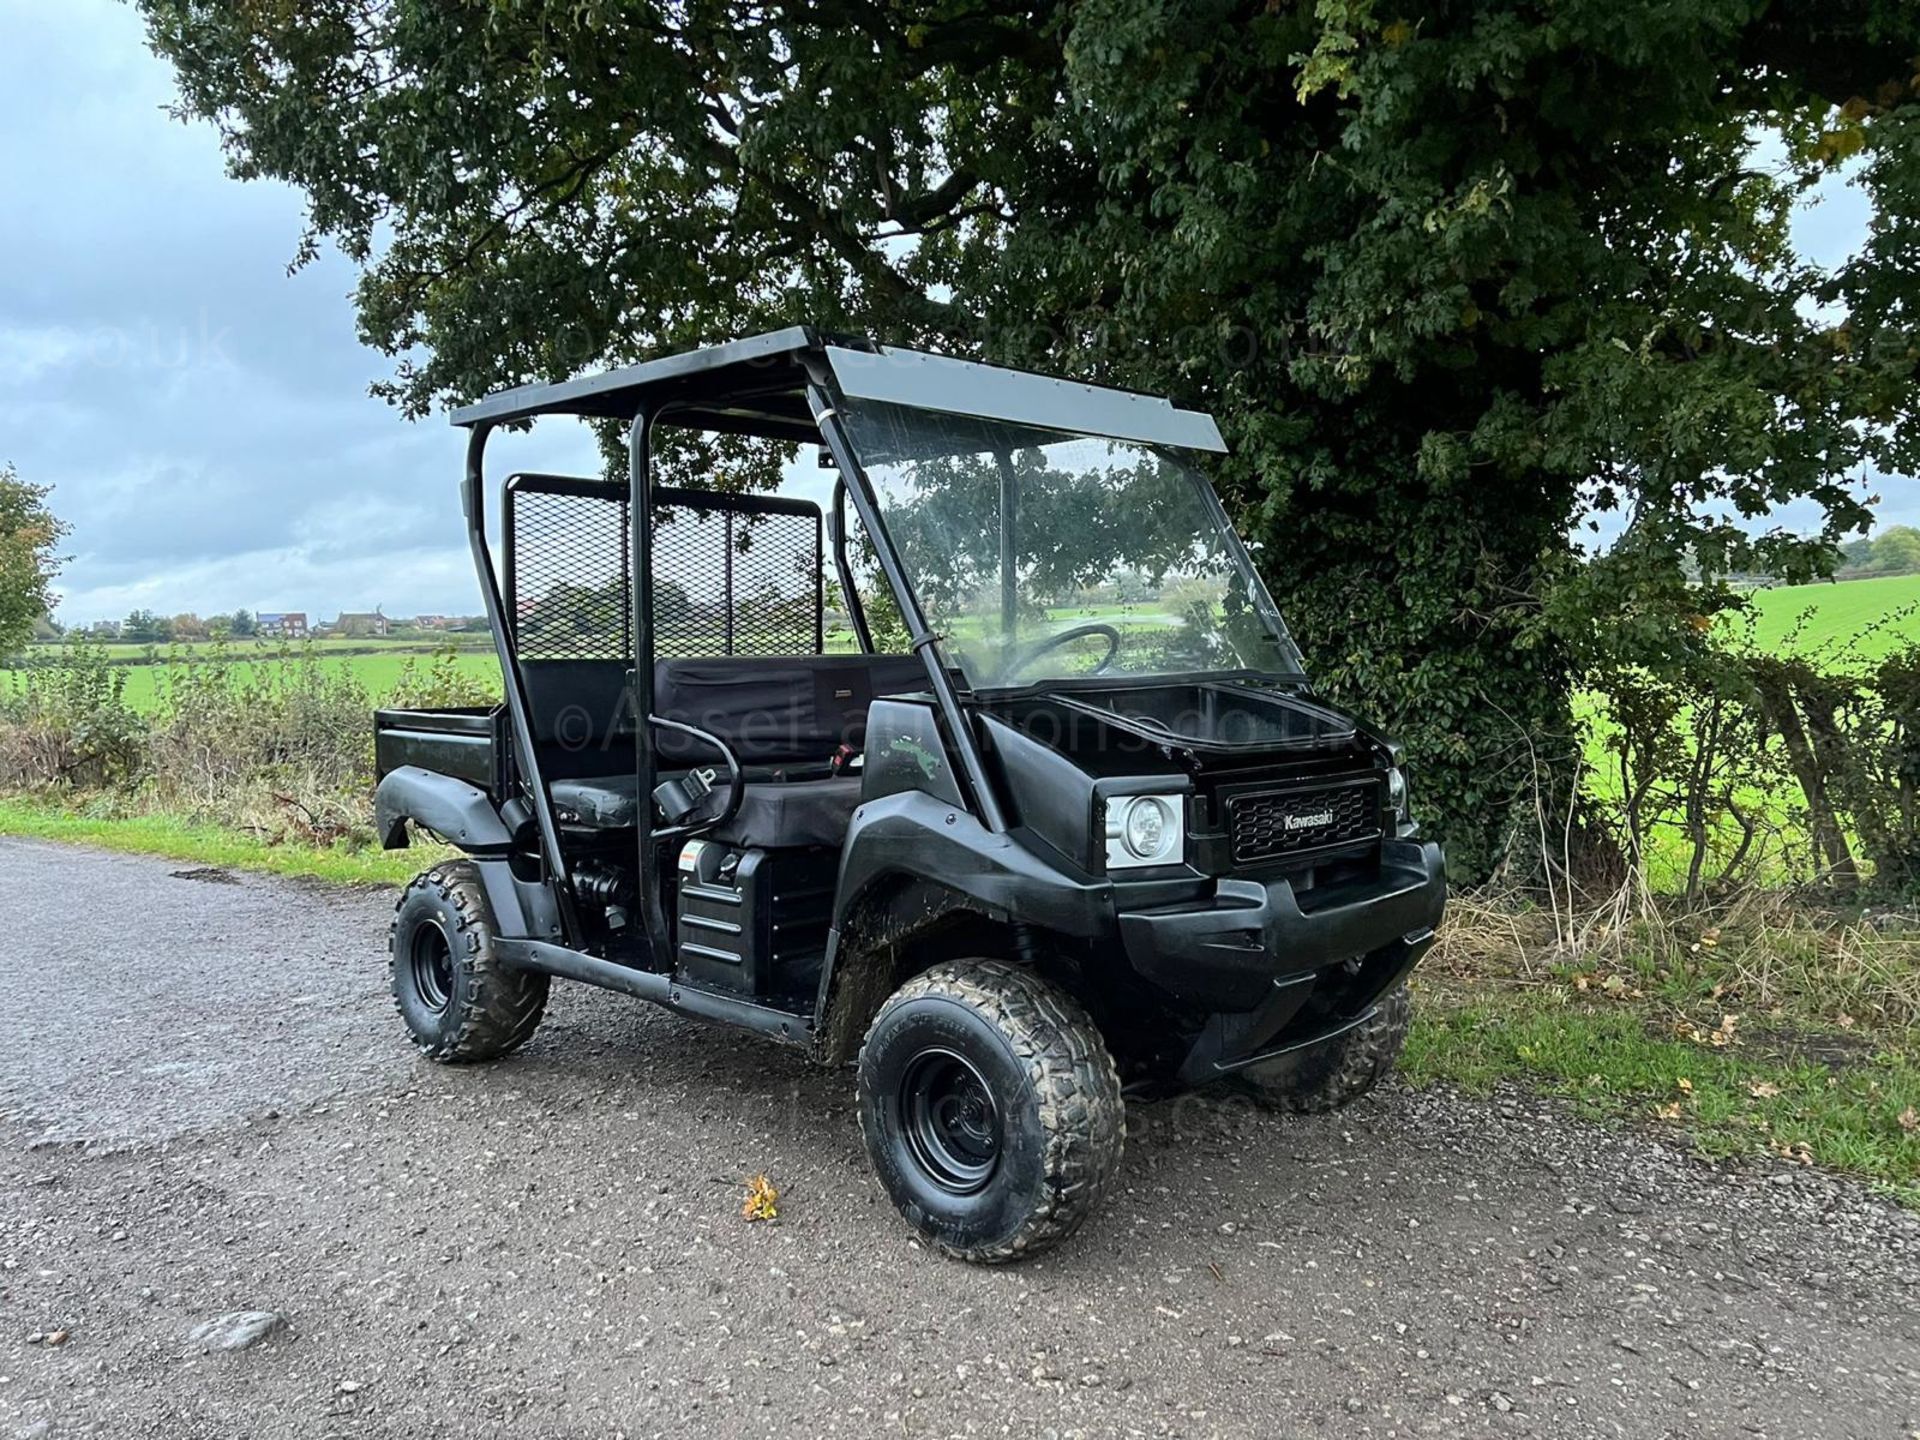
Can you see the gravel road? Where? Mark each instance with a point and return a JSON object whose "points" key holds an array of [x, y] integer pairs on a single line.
{"points": [[207, 1105]]}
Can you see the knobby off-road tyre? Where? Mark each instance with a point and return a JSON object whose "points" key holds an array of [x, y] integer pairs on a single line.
{"points": [[991, 1109], [460, 1002], [1341, 1071]]}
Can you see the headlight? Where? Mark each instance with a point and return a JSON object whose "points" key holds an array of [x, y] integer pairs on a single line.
{"points": [[1397, 802], [1144, 830]]}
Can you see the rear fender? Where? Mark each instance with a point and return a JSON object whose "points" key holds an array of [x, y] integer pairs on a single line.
{"points": [[459, 813]]}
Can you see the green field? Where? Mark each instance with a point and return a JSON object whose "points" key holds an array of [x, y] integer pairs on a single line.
{"points": [[123, 652], [1840, 627], [376, 664], [1849, 623], [1856, 620], [377, 673]]}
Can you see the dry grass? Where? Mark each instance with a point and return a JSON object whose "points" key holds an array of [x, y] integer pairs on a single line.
{"points": [[1764, 1024], [1775, 951]]}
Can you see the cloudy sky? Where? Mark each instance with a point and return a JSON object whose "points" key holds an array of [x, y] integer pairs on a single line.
{"points": [[202, 415]]}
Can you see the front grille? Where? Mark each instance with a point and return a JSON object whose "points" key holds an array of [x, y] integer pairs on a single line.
{"points": [[1276, 824]]}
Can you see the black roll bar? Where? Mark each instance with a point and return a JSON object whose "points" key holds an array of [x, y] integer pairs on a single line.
{"points": [[923, 640], [856, 612], [1009, 548], [519, 709], [646, 773], [853, 483]]}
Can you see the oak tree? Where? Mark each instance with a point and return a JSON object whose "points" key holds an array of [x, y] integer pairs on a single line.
{"points": [[1456, 277]]}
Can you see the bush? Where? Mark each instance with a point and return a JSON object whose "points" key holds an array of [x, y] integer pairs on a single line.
{"points": [[67, 725], [1732, 765], [276, 742], [284, 741], [440, 683]]}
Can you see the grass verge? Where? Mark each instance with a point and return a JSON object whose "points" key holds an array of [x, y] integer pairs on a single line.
{"points": [[1839, 1099], [204, 844]]}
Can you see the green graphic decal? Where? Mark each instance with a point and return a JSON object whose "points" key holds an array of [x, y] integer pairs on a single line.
{"points": [[928, 762]]}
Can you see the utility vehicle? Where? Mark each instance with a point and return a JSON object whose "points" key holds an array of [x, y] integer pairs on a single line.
{"points": [[1027, 808]]}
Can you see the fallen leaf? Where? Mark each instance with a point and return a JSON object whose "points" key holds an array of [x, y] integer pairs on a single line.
{"points": [[762, 1200], [1668, 1112], [1763, 1089], [57, 1337], [1846, 1022], [1684, 1085], [1909, 1121], [1718, 1038]]}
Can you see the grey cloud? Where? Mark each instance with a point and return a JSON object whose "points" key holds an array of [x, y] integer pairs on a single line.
{"points": [[202, 415]]}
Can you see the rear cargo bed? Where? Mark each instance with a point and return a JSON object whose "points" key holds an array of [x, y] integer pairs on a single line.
{"points": [[467, 742]]}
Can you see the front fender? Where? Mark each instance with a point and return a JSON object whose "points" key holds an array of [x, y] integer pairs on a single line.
{"points": [[459, 813], [911, 860], [919, 836]]}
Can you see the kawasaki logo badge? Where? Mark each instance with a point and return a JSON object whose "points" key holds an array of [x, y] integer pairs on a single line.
{"points": [[1307, 822]]}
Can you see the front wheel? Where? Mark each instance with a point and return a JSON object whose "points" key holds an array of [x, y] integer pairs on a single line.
{"points": [[1334, 1075], [991, 1109], [459, 1000]]}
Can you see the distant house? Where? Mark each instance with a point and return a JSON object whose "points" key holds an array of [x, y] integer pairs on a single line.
{"points": [[105, 629], [282, 625], [435, 622], [358, 626]]}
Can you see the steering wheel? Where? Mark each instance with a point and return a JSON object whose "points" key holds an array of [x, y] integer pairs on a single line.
{"points": [[1023, 658]]}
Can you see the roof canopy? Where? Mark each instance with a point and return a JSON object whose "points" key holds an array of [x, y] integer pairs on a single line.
{"points": [[757, 386]]}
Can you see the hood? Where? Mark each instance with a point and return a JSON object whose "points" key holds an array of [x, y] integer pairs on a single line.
{"points": [[1203, 725]]}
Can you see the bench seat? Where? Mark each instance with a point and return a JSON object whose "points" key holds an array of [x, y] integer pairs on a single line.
{"points": [[773, 814]]}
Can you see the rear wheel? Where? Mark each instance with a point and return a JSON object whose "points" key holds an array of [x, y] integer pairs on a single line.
{"points": [[991, 1109], [459, 1001], [1332, 1076]]}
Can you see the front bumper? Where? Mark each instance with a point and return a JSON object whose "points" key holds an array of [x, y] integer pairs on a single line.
{"points": [[1225, 953], [1255, 954]]}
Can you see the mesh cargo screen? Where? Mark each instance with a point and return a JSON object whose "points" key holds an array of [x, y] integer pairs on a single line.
{"points": [[726, 580]]}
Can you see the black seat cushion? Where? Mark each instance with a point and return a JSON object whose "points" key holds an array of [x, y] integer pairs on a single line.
{"points": [[772, 814], [773, 710], [606, 802], [799, 812]]}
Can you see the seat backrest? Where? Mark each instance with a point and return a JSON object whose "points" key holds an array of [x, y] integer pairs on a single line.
{"points": [[776, 710], [773, 710], [582, 716]]}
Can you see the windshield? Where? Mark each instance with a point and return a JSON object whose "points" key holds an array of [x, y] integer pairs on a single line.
{"points": [[1041, 556]]}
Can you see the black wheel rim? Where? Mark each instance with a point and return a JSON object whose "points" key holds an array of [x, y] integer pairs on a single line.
{"points": [[431, 960], [949, 1120]]}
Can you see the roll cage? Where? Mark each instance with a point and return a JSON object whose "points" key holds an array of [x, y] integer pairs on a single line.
{"points": [[789, 385]]}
